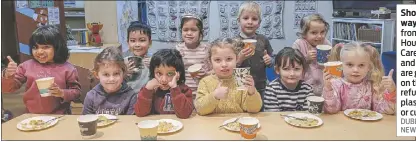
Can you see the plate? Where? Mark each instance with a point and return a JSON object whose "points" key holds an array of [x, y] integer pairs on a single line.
{"points": [[106, 122], [361, 112], [169, 126], [233, 126], [313, 120], [25, 125]]}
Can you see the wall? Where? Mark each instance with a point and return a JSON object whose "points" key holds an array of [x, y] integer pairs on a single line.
{"points": [[324, 8], [104, 12]]}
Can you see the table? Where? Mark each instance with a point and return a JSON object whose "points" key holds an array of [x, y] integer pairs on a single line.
{"points": [[273, 127]]}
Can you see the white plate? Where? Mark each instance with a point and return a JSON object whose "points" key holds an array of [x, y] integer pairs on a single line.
{"points": [[233, 129], [377, 117], [177, 125], [302, 115], [106, 123], [25, 126]]}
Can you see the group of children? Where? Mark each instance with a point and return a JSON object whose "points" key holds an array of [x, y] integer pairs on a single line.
{"points": [[163, 86]]}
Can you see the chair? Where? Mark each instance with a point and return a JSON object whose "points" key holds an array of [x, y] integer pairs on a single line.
{"points": [[389, 62]]}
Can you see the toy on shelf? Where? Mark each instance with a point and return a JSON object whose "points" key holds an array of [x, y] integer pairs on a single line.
{"points": [[95, 38]]}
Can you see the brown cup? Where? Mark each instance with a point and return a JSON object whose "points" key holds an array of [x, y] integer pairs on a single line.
{"points": [[194, 69], [88, 125], [250, 43]]}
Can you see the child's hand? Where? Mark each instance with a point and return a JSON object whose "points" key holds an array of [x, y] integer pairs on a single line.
{"points": [[249, 83], [130, 68], [327, 81], [267, 59], [11, 68], [200, 74], [54, 90], [173, 84], [152, 84], [244, 54], [146, 61], [312, 54], [388, 83], [220, 92]]}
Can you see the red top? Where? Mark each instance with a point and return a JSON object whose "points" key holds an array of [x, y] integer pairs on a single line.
{"points": [[66, 77], [178, 101]]}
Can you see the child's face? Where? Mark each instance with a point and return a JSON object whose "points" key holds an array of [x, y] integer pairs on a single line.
{"points": [[110, 76], [316, 33], [249, 22], [290, 75], [355, 67], [223, 61], [190, 32], [43, 53], [164, 74], [138, 43]]}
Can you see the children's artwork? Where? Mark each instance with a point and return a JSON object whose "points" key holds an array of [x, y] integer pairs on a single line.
{"points": [[164, 18], [303, 8], [22, 4], [53, 15], [127, 12], [271, 24], [41, 16]]}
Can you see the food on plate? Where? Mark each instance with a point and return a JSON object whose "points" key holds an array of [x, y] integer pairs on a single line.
{"points": [[304, 122], [165, 127], [34, 125], [233, 125], [360, 113]]}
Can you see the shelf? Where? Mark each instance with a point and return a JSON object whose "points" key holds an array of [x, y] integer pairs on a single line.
{"points": [[77, 30], [75, 15], [353, 40], [74, 9]]}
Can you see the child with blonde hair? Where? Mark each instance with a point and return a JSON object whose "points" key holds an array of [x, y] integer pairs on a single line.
{"points": [[363, 85], [249, 18], [193, 50], [218, 93], [313, 29]]}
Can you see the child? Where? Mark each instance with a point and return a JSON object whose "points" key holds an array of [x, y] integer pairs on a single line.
{"points": [[112, 95], [313, 29], [363, 85], [249, 19], [217, 93], [334, 54], [289, 92], [50, 53], [166, 92], [139, 41], [192, 50]]}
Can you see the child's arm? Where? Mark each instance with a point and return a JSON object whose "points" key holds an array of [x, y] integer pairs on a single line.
{"points": [[143, 104], [384, 103], [88, 107], [302, 46], [133, 101], [269, 52], [205, 102], [252, 103], [73, 90], [182, 101], [13, 83], [331, 94]]}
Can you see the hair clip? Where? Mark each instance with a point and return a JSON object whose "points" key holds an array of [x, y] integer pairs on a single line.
{"points": [[189, 15]]}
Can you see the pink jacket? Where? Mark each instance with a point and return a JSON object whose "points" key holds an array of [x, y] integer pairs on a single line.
{"points": [[345, 95], [314, 74]]}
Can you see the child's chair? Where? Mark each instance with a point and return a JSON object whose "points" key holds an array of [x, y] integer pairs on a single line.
{"points": [[389, 62]]}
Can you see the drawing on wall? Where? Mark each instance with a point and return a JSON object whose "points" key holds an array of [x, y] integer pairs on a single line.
{"points": [[53, 15], [127, 12], [164, 18], [22, 4], [271, 25], [303, 8]]}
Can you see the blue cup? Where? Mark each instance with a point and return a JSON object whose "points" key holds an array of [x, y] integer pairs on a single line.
{"points": [[322, 53]]}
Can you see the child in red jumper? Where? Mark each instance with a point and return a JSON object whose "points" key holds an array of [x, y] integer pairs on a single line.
{"points": [[50, 55], [166, 92]]}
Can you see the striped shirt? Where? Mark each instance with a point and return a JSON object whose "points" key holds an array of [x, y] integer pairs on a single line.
{"points": [[190, 57], [278, 98]]}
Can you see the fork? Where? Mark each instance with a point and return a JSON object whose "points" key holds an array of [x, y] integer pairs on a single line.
{"points": [[230, 122], [54, 119], [303, 119]]}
